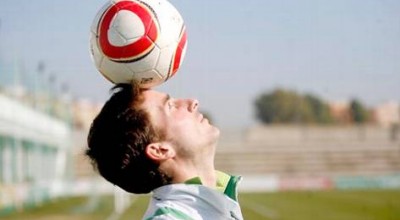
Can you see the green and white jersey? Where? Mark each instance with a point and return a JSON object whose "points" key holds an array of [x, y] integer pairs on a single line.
{"points": [[193, 201]]}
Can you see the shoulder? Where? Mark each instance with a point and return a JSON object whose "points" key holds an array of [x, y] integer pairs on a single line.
{"points": [[170, 208], [189, 202], [168, 213]]}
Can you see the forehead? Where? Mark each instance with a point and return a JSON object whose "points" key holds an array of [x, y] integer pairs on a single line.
{"points": [[153, 102], [152, 98]]}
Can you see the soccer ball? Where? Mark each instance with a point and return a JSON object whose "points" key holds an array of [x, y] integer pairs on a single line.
{"points": [[141, 40]]}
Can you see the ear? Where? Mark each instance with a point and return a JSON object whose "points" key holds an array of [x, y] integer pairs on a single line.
{"points": [[160, 151]]}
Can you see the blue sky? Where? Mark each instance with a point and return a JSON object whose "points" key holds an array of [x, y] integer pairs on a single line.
{"points": [[236, 50]]}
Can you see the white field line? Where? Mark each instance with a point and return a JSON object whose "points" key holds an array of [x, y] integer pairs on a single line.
{"points": [[117, 215], [260, 209]]}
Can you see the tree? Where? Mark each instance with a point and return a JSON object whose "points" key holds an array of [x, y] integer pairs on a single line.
{"points": [[284, 106], [320, 109], [358, 112], [276, 107]]}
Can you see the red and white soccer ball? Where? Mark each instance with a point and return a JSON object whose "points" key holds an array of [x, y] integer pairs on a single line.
{"points": [[142, 40]]}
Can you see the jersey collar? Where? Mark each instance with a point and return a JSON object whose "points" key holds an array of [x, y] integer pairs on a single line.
{"points": [[226, 183]]}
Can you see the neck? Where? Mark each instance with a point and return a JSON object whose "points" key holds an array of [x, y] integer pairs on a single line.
{"points": [[185, 170]]}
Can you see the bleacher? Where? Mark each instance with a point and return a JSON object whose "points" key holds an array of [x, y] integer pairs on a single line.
{"points": [[310, 151]]}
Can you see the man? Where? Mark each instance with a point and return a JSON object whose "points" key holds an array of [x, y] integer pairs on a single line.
{"points": [[145, 141]]}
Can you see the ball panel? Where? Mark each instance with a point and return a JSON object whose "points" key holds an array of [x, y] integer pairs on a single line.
{"points": [[115, 38], [164, 62], [116, 72], [171, 23], [96, 55], [153, 32], [146, 63], [128, 26], [136, 51], [148, 79], [131, 51], [179, 53]]}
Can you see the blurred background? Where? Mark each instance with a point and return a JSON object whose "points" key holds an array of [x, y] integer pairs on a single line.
{"points": [[306, 94]]}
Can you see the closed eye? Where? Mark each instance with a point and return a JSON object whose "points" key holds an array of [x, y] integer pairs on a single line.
{"points": [[171, 104], [166, 100]]}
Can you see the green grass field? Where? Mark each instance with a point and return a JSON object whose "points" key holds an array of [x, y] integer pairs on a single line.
{"points": [[324, 205]]}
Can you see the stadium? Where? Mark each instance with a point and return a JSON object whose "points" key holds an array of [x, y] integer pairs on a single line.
{"points": [[316, 157], [349, 172]]}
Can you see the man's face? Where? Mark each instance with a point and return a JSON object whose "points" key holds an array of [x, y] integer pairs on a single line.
{"points": [[184, 126]]}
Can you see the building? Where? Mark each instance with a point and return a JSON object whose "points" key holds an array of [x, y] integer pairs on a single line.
{"points": [[340, 112], [387, 114], [34, 155]]}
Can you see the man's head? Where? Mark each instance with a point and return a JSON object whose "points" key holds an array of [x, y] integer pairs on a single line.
{"points": [[137, 131], [183, 126]]}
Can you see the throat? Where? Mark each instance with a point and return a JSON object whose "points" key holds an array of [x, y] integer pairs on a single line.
{"points": [[206, 174]]}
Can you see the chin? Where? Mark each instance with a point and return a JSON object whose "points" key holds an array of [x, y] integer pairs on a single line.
{"points": [[216, 132]]}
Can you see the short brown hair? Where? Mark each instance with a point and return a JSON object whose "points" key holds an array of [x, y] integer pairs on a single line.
{"points": [[117, 141]]}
